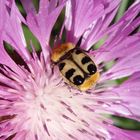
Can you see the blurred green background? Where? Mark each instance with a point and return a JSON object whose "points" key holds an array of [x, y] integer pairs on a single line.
{"points": [[120, 122]]}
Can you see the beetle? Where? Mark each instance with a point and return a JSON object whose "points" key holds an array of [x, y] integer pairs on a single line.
{"points": [[75, 66]]}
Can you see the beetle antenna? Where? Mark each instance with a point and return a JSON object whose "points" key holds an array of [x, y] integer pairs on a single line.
{"points": [[79, 42]]}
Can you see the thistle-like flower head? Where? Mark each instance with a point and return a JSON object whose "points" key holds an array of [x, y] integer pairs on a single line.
{"points": [[35, 101]]}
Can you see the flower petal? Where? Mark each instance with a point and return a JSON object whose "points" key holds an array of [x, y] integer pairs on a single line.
{"points": [[121, 134], [128, 55], [16, 39], [117, 33], [2, 15], [123, 100], [126, 46], [41, 24], [5, 58], [99, 29], [75, 23], [28, 6], [124, 67]]}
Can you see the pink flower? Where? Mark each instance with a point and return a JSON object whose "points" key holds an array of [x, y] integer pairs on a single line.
{"points": [[36, 103]]}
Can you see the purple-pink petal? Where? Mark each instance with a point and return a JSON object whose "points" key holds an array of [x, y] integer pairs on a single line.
{"points": [[79, 16], [28, 6], [41, 23], [123, 100], [100, 27], [118, 32], [121, 134], [16, 39]]}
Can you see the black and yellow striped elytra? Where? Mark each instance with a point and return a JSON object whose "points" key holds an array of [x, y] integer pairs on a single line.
{"points": [[75, 66]]}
